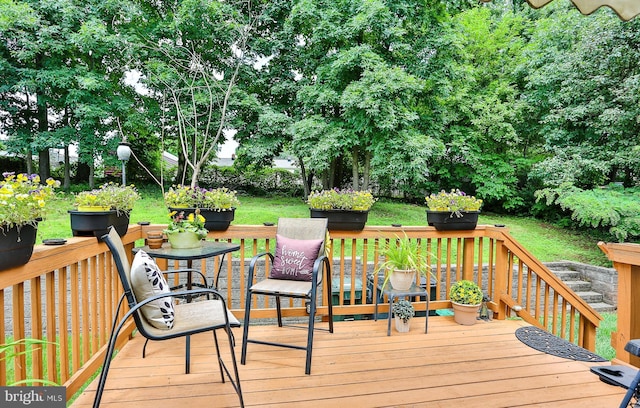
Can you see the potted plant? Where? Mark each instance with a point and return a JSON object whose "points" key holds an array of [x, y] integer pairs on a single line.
{"points": [[186, 230], [466, 299], [216, 205], [403, 311], [23, 203], [402, 261], [344, 209], [96, 210], [452, 210]]}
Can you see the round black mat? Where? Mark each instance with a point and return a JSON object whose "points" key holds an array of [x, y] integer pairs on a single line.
{"points": [[546, 342]]}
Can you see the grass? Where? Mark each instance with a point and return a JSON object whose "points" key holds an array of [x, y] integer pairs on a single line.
{"points": [[547, 242], [603, 335]]}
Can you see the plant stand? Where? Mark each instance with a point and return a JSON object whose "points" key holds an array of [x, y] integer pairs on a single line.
{"points": [[392, 294], [465, 315]]}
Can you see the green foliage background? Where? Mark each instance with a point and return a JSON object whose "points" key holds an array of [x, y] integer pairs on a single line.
{"points": [[531, 110]]}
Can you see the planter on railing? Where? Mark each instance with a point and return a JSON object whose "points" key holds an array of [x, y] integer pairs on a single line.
{"points": [[97, 223], [343, 220], [215, 220], [16, 245], [451, 221]]}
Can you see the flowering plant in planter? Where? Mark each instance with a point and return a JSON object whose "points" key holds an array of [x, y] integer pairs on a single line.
{"points": [[23, 199], [218, 199], [194, 222], [111, 196], [179, 196], [337, 199], [465, 292], [454, 201]]}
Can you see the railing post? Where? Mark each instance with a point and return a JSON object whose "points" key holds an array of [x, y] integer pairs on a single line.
{"points": [[501, 284], [468, 259], [626, 260]]}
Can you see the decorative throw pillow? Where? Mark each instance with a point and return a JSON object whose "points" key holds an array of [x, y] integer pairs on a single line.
{"points": [[294, 258], [147, 281]]}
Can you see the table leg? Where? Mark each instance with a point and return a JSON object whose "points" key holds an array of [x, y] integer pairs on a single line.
{"points": [[375, 310], [219, 270], [426, 316], [390, 313]]}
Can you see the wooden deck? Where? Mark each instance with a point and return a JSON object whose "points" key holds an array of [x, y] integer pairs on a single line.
{"points": [[359, 366]]}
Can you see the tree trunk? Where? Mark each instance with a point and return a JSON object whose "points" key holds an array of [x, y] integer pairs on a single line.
{"points": [[306, 184], [366, 174], [67, 169], [44, 164], [29, 161], [354, 169], [92, 179]]}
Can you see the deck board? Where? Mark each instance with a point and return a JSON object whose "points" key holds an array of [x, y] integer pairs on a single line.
{"points": [[359, 366]]}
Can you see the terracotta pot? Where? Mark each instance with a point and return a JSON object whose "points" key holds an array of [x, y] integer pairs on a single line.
{"points": [[465, 314], [155, 239]]}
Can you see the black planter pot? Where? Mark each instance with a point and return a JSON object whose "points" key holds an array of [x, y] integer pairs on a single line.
{"points": [[345, 220], [214, 220], [445, 221], [16, 246], [97, 223]]}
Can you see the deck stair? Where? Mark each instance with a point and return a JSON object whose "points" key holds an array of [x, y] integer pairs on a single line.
{"points": [[583, 288]]}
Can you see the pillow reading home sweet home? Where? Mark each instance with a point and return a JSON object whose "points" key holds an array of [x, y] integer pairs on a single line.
{"points": [[294, 258], [147, 281]]}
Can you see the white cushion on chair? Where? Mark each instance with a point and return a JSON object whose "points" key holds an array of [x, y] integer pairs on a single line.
{"points": [[146, 281]]}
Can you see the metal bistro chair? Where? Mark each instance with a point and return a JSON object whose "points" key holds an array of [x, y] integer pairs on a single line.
{"points": [[189, 318], [624, 376], [296, 272]]}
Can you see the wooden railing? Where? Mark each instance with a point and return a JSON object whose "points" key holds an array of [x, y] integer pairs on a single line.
{"points": [[626, 260], [67, 295]]}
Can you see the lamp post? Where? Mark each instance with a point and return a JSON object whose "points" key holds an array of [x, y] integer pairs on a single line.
{"points": [[124, 153]]}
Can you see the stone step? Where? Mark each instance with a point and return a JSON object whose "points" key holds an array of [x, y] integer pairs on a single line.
{"points": [[583, 289], [602, 307], [591, 296], [567, 274], [578, 285]]}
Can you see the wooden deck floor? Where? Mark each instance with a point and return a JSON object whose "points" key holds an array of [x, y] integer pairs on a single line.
{"points": [[359, 366]]}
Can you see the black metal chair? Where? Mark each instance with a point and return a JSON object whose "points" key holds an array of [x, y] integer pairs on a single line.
{"points": [[623, 376], [190, 318], [303, 234]]}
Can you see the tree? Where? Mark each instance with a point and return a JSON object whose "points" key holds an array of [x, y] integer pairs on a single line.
{"points": [[340, 75], [60, 55], [193, 53]]}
